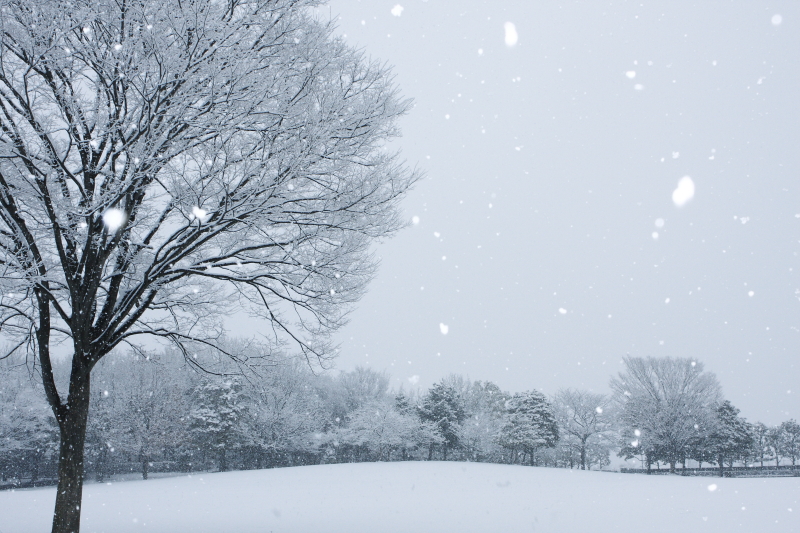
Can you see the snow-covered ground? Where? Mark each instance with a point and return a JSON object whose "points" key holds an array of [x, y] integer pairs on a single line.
{"points": [[420, 497]]}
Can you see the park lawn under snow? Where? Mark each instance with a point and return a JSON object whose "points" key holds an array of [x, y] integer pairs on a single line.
{"points": [[419, 497]]}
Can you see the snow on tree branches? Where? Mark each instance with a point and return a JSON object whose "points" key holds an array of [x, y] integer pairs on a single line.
{"points": [[164, 164]]}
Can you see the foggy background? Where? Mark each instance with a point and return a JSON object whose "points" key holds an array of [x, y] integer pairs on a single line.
{"points": [[547, 240]]}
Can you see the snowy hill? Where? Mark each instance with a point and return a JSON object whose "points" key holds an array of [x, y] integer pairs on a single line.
{"points": [[420, 497]]}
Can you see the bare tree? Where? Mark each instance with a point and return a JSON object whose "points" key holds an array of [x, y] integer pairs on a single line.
{"points": [[148, 405], [286, 411], [165, 163], [584, 417], [761, 447], [790, 441], [664, 404]]}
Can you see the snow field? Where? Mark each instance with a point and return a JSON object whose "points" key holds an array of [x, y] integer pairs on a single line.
{"points": [[420, 497]]}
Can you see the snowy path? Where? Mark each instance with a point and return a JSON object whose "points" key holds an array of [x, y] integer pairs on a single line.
{"points": [[420, 497]]}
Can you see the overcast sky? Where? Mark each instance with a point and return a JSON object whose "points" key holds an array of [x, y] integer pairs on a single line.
{"points": [[547, 240]]}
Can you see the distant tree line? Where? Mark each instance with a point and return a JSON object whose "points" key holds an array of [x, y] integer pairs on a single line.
{"points": [[670, 411], [145, 418]]}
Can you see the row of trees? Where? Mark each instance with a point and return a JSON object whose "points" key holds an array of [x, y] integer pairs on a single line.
{"points": [[146, 415], [671, 411]]}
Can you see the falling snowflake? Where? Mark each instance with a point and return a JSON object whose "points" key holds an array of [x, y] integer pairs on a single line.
{"points": [[199, 213], [511, 34], [113, 219], [684, 192], [397, 10], [776, 19], [562, 311], [444, 328], [631, 74]]}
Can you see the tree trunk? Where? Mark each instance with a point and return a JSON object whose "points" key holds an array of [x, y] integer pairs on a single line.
{"points": [[67, 516], [100, 463], [672, 466], [223, 460], [721, 463], [583, 455], [430, 452], [145, 465], [35, 466]]}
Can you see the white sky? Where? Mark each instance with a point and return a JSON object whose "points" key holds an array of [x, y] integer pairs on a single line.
{"points": [[550, 166]]}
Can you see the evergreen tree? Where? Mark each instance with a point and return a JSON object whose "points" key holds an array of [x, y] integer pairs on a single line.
{"points": [[731, 439], [217, 417], [529, 425], [443, 407]]}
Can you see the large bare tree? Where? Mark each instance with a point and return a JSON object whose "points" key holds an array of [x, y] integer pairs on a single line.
{"points": [[164, 163], [664, 405]]}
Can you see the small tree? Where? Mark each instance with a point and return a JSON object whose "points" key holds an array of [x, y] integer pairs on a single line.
{"points": [[484, 403], [217, 417], [380, 429], [151, 406], [790, 440], [362, 386], [731, 438], [284, 411], [761, 447], [168, 162], [529, 425], [584, 417], [28, 435], [775, 443]]}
